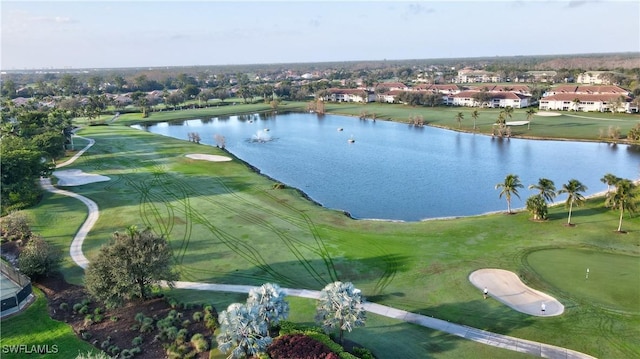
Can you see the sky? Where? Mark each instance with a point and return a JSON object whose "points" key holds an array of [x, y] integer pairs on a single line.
{"points": [[151, 33]]}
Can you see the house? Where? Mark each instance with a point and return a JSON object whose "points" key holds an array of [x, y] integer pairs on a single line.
{"points": [[595, 78], [536, 76], [348, 95], [468, 75], [600, 102], [588, 98], [497, 99]]}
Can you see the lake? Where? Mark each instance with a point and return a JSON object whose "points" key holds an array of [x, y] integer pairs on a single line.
{"points": [[395, 171]]}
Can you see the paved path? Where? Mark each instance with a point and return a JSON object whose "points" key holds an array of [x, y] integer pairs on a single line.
{"points": [[463, 331]]}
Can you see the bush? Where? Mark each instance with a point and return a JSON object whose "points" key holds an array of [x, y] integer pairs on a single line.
{"points": [[86, 335], [14, 227], [88, 319], [84, 310], [146, 328], [363, 353], [136, 341], [39, 258], [97, 311], [77, 307], [139, 317], [114, 318], [197, 316], [64, 306], [97, 318], [126, 354], [200, 343]]}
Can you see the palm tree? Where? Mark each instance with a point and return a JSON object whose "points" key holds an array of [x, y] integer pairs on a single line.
{"points": [[573, 189], [340, 306], [537, 206], [510, 187], [610, 179], [623, 198], [459, 118], [508, 111], [546, 187], [474, 115], [530, 112]]}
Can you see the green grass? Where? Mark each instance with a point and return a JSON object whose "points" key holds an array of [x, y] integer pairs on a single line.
{"points": [[226, 224], [613, 280], [35, 327]]}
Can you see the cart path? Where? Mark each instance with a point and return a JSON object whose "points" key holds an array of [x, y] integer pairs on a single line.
{"points": [[478, 335]]}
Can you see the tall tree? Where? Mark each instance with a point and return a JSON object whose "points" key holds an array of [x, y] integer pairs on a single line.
{"points": [[129, 267], [530, 112], [340, 306], [474, 115], [242, 332], [546, 188], [573, 190], [509, 187], [459, 118], [610, 179], [623, 198]]}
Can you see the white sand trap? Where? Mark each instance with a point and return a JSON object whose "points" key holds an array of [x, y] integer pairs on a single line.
{"points": [[548, 114], [507, 288], [212, 158], [517, 123], [77, 178]]}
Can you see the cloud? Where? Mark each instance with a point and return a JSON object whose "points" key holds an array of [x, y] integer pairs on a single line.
{"points": [[54, 19], [576, 3], [416, 9]]}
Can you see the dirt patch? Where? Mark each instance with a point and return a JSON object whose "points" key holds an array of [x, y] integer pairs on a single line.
{"points": [[117, 327]]}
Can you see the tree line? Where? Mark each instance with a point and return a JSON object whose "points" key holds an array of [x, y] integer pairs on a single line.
{"points": [[621, 195]]}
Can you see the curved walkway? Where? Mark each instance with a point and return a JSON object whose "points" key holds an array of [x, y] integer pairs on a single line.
{"points": [[463, 331]]}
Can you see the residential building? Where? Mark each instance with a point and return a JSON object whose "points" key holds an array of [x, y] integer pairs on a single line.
{"points": [[497, 99]]}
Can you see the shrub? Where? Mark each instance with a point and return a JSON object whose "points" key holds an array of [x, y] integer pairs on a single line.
{"points": [[90, 355], [136, 341], [146, 328], [84, 310], [77, 307], [139, 317], [97, 318], [86, 335], [114, 318], [181, 337], [105, 344], [200, 343], [126, 354], [88, 319], [64, 306], [208, 309], [114, 349], [136, 350], [97, 311], [14, 227], [363, 353], [134, 327], [186, 323], [39, 258], [197, 316], [86, 301]]}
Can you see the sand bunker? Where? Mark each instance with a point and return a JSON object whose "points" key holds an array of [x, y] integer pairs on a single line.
{"points": [[517, 123], [507, 288], [212, 158], [548, 114], [77, 178]]}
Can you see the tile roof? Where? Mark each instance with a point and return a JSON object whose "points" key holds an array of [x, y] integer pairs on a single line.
{"points": [[602, 97]]}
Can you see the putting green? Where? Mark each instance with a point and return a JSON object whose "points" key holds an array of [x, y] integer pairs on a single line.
{"points": [[612, 282]]}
